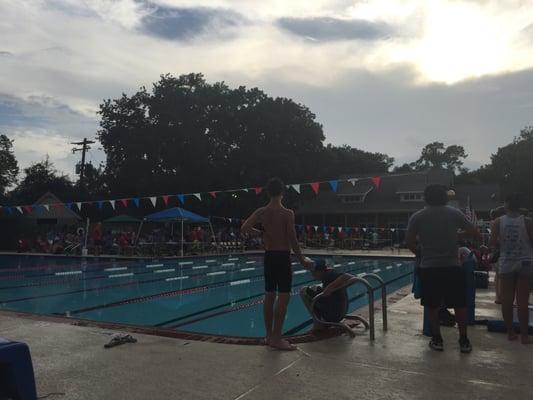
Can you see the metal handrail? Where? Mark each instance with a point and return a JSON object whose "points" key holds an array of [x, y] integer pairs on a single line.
{"points": [[383, 286], [368, 324]]}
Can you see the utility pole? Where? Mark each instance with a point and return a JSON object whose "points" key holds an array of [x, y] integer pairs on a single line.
{"points": [[84, 147]]}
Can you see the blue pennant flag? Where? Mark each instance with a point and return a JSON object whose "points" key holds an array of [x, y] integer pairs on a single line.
{"points": [[348, 230], [325, 228], [69, 205], [100, 204], [334, 185], [181, 198], [9, 210], [136, 201]]}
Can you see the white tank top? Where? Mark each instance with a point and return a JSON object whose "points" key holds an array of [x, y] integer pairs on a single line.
{"points": [[515, 244]]}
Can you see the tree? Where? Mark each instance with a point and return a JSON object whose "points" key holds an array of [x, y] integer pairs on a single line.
{"points": [[187, 135], [8, 164], [437, 155], [39, 178], [510, 166]]}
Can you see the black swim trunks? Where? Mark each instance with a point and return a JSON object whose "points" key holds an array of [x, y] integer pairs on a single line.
{"points": [[278, 272]]}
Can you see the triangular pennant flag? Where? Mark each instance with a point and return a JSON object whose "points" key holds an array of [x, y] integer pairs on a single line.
{"points": [[47, 207], [315, 186], [376, 180], [316, 228], [296, 188], [340, 228], [393, 229], [353, 181], [229, 219], [165, 199], [19, 209], [258, 190], [100, 204], [112, 202], [28, 209], [198, 196], [153, 200], [9, 210], [181, 198], [348, 230], [79, 205], [136, 201], [334, 185], [58, 205], [332, 229], [213, 194], [69, 205], [364, 229], [324, 229], [124, 202]]}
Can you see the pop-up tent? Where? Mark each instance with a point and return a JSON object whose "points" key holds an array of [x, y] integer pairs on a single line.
{"points": [[178, 214]]}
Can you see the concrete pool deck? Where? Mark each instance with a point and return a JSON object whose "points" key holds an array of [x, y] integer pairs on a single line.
{"points": [[398, 365]]}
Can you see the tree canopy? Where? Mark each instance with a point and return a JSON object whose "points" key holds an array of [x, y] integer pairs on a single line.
{"points": [[437, 155], [188, 134], [8, 164]]}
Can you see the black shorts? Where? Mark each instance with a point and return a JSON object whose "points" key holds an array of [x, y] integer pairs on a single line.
{"points": [[444, 286], [278, 272]]}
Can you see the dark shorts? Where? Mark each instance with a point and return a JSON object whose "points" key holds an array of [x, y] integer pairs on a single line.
{"points": [[326, 310], [278, 272], [443, 286]]}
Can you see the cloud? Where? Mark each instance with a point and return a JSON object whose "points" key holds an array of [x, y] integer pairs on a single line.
{"points": [[42, 125], [185, 23], [328, 29]]}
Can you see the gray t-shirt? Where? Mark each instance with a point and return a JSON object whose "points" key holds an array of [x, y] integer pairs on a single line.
{"points": [[436, 228]]}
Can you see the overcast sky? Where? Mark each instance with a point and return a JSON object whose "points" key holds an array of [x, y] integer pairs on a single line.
{"points": [[381, 75]]}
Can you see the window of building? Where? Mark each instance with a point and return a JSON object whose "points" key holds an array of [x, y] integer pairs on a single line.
{"points": [[411, 197], [355, 198]]}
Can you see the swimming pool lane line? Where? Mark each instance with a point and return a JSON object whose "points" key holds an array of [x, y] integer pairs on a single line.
{"points": [[125, 284], [294, 285], [137, 271]]}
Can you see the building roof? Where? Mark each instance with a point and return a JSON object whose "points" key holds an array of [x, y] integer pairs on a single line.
{"points": [[387, 198], [59, 213]]}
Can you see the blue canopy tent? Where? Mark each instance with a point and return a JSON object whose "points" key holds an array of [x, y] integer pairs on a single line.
{"points": [[177, 214]]}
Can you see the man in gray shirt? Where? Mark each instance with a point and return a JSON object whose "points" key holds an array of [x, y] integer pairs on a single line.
{"points": [[436, 231]]}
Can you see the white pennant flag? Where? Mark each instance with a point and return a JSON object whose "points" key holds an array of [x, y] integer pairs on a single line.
{"points": [[153, 200], [316, 227], [296, 188], [364, 229], [20, 209], [198, 196], [47, 207], [79, 205], [340, 228], [353, 181], [112, 202]]}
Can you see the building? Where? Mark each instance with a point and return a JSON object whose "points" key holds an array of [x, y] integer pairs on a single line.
{"points": [[389, 206]]}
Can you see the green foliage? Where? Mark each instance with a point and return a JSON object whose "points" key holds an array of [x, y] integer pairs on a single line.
{"points": [[437, 155], [511, 166], [39, 178], [8, 164], [187, 135]]}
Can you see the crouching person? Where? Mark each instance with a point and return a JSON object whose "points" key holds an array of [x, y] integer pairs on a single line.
{"points": [[333, 305]]}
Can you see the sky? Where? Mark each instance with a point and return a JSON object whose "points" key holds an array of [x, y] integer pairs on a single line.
{"points": [[381, 75]]}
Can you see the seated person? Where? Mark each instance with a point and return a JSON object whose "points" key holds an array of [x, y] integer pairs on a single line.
{"points": [[332, 307]]}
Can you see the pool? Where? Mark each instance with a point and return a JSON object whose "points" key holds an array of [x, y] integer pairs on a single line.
{"points": [[212, 295]]}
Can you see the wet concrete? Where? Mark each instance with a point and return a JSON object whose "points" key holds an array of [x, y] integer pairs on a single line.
{"points": [[398, 365]]}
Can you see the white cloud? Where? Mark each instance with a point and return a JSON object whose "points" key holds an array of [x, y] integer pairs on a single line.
{"points": [[78, 53]]}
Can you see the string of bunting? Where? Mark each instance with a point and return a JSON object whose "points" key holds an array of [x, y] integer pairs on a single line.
{"points": [[322, 228], [200, 196]]}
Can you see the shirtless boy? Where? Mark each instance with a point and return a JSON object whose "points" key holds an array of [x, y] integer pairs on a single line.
{"points": [[279, 237]]}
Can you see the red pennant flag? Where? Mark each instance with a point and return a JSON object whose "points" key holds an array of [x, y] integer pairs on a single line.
{"points": [[315, 186], [58, 205], [308, 228], [124, 202], [332, 229], [258, 190], [28, 209], [165, 199], [213, 194], [376, 180]]}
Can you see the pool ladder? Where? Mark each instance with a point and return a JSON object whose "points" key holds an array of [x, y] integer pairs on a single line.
{"points": [[370, 324]]}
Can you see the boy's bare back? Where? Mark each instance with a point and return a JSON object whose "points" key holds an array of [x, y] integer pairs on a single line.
{"points": [[276, 221]]}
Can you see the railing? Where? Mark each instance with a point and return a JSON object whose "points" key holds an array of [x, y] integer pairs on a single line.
{"points": [[370, 324]]}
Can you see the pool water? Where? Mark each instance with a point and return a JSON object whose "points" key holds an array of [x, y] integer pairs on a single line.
{"points": [[213, 295]]}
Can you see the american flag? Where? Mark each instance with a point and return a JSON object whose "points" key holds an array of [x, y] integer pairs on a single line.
{"points": [[469, 212]]}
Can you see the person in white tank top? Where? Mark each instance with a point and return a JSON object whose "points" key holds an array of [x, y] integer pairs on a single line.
{"points": [[513, 235]]}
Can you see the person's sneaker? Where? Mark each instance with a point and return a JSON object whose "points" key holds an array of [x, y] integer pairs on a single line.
{"points": [[464, 345], [436, 343]]}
